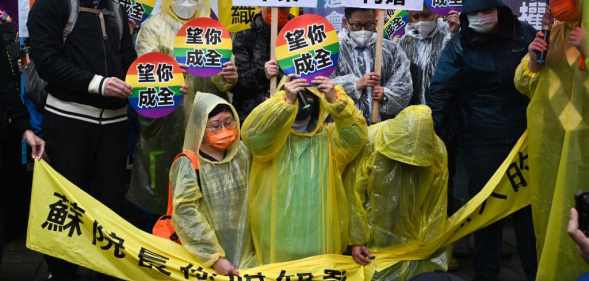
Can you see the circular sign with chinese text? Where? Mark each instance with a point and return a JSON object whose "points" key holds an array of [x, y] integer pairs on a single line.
{"points": [[157, 81], [203, 46], [307, 47]]}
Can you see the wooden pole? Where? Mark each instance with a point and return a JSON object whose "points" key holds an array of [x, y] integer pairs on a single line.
{"points": [[273, 35], [375, 118]]}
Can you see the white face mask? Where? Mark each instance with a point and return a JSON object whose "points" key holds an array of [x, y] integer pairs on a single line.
{"points": [[361, 37], [422, 29], [483, 23], [185, 9]]}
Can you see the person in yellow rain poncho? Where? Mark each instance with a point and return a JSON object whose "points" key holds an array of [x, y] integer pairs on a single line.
{"points": [[209, 183], [558, 132], [160, 140], [297, 199], [397, 191]]}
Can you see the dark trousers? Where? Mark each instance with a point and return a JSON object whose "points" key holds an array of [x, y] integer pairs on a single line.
{"points": [[484, 160], [91, 156]]}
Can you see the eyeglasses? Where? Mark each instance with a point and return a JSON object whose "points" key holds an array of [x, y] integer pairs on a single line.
{"points": [[359, 26], [215, 126]]}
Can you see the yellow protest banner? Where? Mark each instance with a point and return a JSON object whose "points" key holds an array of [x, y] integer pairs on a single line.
{"points": [[238, 18], [67, 223]]}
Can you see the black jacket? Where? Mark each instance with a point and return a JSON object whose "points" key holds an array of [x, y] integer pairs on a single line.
{"points": [[69, 67], [12, 111], [252, 50], [475, 75]]}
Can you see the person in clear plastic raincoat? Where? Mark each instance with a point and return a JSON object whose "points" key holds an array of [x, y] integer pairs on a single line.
{"points": [[355, 68], [397, 191], [160, 140], [296, 191], [423, 42], [209, 185], [558, 134]]}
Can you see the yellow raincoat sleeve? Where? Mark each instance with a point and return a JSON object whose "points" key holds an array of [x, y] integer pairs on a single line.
{"points": [[356, 183], [526, 80], [221, 84], [351, 132], [268, 126], [189, 219]]}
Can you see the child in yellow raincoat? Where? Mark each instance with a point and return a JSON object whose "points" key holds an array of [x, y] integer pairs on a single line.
{"points": [[209, 183]]}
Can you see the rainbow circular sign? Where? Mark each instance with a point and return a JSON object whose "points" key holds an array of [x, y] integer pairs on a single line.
{"points": [[157, 81], [307, 47], [203, 46]]}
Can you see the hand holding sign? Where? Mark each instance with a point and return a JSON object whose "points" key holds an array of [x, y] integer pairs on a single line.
{"points": [[308, 47], [157, 82]]}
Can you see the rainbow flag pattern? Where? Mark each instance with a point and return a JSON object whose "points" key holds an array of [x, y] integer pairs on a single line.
{"points": [[138, 10], [308, 46], [157, 81], [203, 46], [395, 24]]}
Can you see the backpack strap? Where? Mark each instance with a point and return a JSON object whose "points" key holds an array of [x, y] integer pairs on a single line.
{"points": [[74, 8], [195, 162], [113, 8]]}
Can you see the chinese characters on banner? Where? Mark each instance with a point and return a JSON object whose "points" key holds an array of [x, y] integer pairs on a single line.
{"points": [[532, 12], [307, 47], [69, 224], [242, 16], [138, 10], [238, 18], [203, 46], [444, 7], [277, 3], [156, 80], [410, 5]]}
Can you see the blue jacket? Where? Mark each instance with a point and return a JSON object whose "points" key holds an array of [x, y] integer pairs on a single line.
{"points": [[475, 78]]}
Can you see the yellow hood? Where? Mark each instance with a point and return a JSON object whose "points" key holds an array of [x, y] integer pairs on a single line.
{"points": [[408, 138]]}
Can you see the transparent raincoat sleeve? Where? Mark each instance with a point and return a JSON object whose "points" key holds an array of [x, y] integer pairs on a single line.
{"points": [[398, 87], [526, 80], [356, 183], [192, 226]]}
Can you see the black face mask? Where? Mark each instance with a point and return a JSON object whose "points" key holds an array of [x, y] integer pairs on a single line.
{"points": [[308, 105]]}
